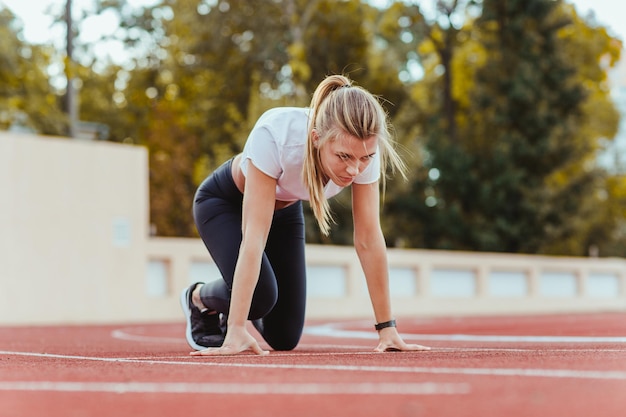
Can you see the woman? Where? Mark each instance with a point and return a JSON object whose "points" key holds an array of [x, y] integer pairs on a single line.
{"points": [[249, 215]]}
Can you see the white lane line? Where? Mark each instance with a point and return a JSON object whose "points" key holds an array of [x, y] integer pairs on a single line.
{"points": [[126, 334], [123, 334], [297, 353], [511, 372], [424, 388], [371, 351], [335, 332]]}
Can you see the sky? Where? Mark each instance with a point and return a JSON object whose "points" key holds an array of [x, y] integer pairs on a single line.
{"points": [[36, 21], [610, 13]]}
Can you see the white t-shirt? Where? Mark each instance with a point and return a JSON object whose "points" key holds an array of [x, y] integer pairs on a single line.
{"points": [[277, 145]]}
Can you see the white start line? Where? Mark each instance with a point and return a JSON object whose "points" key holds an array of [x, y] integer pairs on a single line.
{"points": [[424, 388], [505, 372]]}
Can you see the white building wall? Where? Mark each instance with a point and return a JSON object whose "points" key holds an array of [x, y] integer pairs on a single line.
{"points": [[73, 227]]}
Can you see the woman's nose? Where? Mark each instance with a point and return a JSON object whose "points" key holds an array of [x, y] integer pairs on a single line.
{"points": [[353, 169]]}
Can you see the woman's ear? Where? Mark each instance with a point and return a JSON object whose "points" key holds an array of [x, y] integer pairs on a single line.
{"points": [[315, 138]]}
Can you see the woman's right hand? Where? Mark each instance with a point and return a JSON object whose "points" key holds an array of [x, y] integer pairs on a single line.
{"points": [[237, 340]]}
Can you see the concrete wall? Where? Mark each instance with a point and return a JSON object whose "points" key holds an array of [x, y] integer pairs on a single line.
{"points": [[74, 248], [73, 227]]}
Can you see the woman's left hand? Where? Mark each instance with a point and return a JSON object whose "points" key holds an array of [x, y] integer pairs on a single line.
{"points": [[390, 340]]}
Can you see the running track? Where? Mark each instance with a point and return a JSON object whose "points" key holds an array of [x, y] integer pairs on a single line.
{"points": [[558, 365]]}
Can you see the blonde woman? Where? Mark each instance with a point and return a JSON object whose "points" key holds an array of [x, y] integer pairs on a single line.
{"points": [[249, 215]]}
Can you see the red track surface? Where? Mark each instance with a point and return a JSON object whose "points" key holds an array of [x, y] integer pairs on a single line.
{"points": [[570, 365]]}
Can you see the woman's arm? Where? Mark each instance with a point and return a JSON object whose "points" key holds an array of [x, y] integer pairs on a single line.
{"points": [[258, 208], [370, 246], [371, 249]]}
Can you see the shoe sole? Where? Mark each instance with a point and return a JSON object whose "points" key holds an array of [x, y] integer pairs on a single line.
{"points": [[184, 303]]}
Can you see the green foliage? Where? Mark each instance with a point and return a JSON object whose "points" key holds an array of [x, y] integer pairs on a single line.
{"points": [[336, 40], [500, 131], [515, 171], [173, 152]]}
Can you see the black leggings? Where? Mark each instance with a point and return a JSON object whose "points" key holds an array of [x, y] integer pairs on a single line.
{"points": [[278, 303]]}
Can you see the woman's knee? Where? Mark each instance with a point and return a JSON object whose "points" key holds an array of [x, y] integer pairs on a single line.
{"points": [[285, 344], [284, 340]]}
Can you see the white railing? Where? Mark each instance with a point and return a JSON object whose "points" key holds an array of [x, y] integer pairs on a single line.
{"points": [[422, 282]]}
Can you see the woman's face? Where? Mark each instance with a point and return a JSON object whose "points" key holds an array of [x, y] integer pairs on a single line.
{"points": [[345, 157]]}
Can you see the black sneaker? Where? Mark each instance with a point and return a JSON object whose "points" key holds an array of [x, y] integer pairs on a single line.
{"points": [[203, 330]]}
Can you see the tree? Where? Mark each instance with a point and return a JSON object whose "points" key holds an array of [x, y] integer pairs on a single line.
{"points": [[26, 99], [517, 173]]}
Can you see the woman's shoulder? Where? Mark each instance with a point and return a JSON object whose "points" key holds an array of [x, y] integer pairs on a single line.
{"points": [[286, 126]]}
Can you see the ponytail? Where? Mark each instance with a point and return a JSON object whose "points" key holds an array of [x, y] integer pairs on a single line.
{"points": [[338, 108]]}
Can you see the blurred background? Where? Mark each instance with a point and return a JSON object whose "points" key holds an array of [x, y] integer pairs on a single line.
{"points": [[509, 114]]}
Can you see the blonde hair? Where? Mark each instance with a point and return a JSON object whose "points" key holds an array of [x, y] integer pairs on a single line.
{"points": [[337, 109]]}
